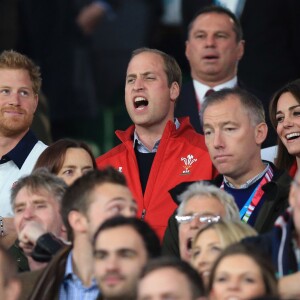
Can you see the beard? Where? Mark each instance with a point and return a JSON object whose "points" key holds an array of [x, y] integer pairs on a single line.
{"points": [[15, 125]]}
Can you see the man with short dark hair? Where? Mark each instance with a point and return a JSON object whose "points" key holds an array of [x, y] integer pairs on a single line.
{"points": [[214, 46], [89, 201], [122, 246], [170, 278], [158, 151]]}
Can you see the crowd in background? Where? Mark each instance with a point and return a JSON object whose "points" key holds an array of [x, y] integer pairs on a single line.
{"points": [[199, 199]]}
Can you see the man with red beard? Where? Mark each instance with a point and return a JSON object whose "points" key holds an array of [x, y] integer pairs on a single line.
{"points": [[20, 84]]}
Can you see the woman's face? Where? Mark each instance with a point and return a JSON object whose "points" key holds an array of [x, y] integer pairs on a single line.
{"points": [[205, 251], [288, 122], [77, 162], [237, 277]]}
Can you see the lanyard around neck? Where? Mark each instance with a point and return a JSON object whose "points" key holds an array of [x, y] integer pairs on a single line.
{"points": [[254, 199]]}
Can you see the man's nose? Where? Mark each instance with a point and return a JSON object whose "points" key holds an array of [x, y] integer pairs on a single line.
{"points": [[218, 140], [28, 212], [138, 84]]}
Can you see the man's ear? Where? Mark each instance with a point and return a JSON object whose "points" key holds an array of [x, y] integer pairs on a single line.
{"points": [[36, 99], [77, 221], [241, 49], [261, 131], [174, 91]]}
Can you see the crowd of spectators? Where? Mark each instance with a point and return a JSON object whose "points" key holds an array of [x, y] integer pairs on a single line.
{"points": [[201, 197]]}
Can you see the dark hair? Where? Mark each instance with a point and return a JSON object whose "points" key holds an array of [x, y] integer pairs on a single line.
{"points": [[8, 265], [171, 66], [53, 156], [40, 179], [237, 28], [262, 261], [251, 104], [192, 276], [284, 160], [148, 235], [78, 195]]}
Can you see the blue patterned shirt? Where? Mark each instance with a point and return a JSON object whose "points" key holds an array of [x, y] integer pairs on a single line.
{"points": [[72, 287]]}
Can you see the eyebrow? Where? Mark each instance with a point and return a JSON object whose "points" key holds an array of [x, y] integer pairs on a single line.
{"points": [[143, 74], [118, 251], [222, 124], [290, 108], [36, 201], [116, 199], [69, 166], [126, 250], [74, 167], [21, 87]]}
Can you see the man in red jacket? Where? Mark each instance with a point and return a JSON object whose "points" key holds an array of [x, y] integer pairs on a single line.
{"points": [[158, 151]]}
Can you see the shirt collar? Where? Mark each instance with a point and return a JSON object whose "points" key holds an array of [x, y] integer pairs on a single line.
{"points": [[250, 181], [201, 88], [21, 151], [69, 267], [69, 273], [142, 148]]}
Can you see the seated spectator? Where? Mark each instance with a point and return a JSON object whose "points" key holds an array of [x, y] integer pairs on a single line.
{"points": [[92, 199], [9, 284], [122, 246], [170, 278], [200, 204], [211, 239], [20, 82], [36, 202], [241, 272], [284, 114], [234, 128], [68, 159], [158, 151]]}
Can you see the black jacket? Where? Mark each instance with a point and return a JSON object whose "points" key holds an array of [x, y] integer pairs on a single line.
{"points": [[276, 201]]}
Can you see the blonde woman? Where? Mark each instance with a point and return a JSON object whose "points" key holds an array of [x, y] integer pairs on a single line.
{"points": [[212, 239]]}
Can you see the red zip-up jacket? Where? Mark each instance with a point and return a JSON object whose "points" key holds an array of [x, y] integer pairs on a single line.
{"points": [[181, 156]]}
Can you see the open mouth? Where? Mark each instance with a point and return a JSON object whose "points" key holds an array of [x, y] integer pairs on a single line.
{"points": [[140, 102], [292, 136], [211, 57], [189, 243]]}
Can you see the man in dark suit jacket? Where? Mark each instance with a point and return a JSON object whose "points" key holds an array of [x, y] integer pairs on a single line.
{"points": [[213, 48], [272, 36]]}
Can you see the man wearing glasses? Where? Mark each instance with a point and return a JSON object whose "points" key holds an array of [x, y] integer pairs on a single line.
{"points": [[201, 204]]}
